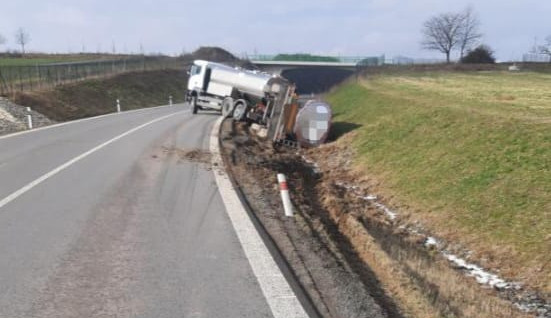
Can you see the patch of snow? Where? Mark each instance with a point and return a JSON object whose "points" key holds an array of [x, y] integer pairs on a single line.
{"points": [[7, 116], [431, 241], [370, 197], [312, 163], [482, 277], [389, 213]]}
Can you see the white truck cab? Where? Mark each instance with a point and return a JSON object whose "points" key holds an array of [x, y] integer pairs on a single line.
{"points": [[233, 91]]}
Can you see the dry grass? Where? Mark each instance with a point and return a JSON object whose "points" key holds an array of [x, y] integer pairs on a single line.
{"points": [[419, 280]]}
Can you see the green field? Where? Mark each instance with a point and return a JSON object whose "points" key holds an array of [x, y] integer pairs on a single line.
{"points": [[468, 153], [40, 59]]}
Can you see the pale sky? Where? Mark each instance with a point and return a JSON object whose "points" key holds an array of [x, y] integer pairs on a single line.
{"points": [[337, 27]]}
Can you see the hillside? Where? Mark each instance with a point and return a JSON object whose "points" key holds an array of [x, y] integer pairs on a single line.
{"points": [[468, 155], [98, 96]]}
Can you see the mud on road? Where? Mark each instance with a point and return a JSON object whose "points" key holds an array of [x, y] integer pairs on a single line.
{"points": [[349, 256]]}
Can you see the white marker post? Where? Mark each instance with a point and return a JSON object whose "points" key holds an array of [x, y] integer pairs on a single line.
{"points": [[118, 106], [284, 189], [170, 100], [29, 118]]}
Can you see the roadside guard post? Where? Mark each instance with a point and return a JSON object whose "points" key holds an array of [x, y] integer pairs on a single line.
{"points": [[118, 106], [284, 189], [29, 118]]}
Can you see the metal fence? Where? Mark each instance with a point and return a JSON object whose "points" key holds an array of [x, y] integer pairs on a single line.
{"points": [[27, 78], [360, 60], [536, 58]]}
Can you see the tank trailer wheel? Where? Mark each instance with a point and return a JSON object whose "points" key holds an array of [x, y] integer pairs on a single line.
{"points": [[227, 107], [194, 104], [239, 110]]}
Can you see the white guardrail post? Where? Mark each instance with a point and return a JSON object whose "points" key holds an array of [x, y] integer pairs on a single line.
{"points": [[118, 106], [170, 100], [284, 189], [29, 118]]}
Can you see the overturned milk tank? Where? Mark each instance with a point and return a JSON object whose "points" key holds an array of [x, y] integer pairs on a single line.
{"points": [[312, 123]]}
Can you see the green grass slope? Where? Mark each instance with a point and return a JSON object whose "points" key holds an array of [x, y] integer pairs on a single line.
{"points": [[469, 153]]}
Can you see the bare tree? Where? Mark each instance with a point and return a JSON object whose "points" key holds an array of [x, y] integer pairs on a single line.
{"points": [[546, 48], [443, 33], [2, 40], [469, 34], [22, 38]]}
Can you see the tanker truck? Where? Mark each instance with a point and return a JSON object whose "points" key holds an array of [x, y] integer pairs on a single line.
{"points": [[266, 100], [235, 92]]}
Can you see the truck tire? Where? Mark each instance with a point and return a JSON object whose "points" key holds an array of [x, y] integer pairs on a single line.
{"points": [[227, 107], [239, 110], [194, 104]]}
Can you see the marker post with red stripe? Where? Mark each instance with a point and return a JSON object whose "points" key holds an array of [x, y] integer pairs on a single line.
{"points": [[284, 189]]}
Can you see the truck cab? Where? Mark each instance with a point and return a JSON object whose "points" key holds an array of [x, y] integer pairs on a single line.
{"points": [[196, 75]]}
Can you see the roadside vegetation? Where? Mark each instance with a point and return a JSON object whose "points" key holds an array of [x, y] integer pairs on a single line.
{"points": [[467, 154], [98, 96]]}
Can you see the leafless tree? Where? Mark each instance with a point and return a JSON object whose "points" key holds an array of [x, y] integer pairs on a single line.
{"points": [[546, 48], [469, 33], [2, 40], [22, 38], [443, 33]]}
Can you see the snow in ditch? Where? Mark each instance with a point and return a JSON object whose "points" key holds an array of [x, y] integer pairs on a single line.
{"points": [[482, 276], [389, 213], [7, 116]]}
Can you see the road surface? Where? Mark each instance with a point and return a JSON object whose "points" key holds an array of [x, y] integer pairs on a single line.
{"points": [[106, 218]]}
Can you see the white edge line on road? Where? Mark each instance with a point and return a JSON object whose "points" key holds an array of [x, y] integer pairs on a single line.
{"points": [[83, 119], [278, 293], [50, 174]]}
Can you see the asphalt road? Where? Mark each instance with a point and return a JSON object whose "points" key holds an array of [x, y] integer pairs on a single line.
{"points": [[119, 226]]}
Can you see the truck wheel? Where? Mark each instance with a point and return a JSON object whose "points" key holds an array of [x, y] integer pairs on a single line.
{"points": [[239, 111], [227, 107], [194, 104]]}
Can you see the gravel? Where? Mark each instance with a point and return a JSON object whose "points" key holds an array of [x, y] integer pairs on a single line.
{"points": [[13, 117]]}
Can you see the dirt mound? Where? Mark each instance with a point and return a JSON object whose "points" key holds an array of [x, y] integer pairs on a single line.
{"points": [[216, 54]]}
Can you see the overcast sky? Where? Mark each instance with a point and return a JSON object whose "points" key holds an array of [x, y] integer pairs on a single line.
{"points": [[345, 27]]}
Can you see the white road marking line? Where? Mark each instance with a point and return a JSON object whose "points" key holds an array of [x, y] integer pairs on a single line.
{"points": [[82, 120], [50, 174], [278, 293]]}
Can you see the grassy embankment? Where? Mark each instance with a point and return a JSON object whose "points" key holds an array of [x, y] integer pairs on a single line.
{"points": [[469, 154], [98, 96]]}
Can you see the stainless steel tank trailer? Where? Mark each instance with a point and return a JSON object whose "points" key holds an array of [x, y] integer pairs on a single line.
{"points": [[268, 101]]}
